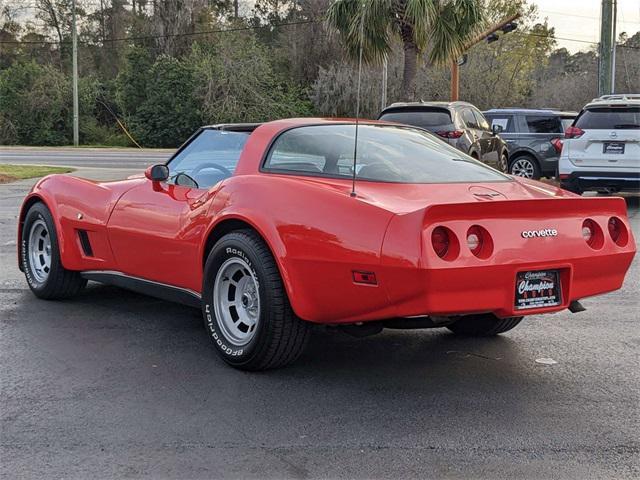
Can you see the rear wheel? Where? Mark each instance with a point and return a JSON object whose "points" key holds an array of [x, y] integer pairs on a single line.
{"points": [[525, 166], [40, 257], [245, 306], [570, 187], [504, 162], [484, 325]]}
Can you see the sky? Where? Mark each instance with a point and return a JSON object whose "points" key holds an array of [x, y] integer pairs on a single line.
{"points": [[580, 20], [577, 20]]}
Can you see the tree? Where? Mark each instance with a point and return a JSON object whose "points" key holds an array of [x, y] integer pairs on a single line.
{"points": [[169, 113], [439, 28], [235, 82]]}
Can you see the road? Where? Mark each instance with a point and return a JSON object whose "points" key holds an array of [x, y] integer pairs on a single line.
{"points": [[85, 157], [117, 385]]}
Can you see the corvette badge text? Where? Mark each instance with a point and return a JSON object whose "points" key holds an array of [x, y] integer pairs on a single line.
{"points": [[545, 232]]}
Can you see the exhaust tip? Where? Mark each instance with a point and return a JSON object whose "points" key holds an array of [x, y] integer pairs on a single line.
{"points": [[576, 307]]}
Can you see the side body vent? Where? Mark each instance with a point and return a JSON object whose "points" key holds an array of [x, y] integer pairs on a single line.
{"points": [[85, 243]]}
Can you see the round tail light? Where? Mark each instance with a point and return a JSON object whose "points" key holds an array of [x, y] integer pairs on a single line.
{"points": [[588, 231], [440, 241], [479, 241], [617, 231], [474, 240], [592, 234]]}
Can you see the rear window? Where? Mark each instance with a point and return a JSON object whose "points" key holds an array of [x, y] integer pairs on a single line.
{"points": [[385, 154], [606, 118], [433, 119], [544, 124]]}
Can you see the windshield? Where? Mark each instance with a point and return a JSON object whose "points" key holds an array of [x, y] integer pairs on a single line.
{"points": [[432, 119], [385, 154], [208, 158]]}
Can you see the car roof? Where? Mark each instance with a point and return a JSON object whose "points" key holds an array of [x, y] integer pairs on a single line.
{"points": [[618, 96], [533, 111], [412, 105], [234, 127], [614, 101]]}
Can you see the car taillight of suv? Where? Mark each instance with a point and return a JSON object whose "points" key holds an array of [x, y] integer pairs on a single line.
{"points": [[573, 132]]}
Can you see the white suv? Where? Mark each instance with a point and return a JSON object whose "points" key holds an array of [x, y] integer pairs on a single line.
{"points": [[601, 150]]}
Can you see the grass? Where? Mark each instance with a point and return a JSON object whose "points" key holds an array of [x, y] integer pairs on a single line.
{"points": [[11, 173]]}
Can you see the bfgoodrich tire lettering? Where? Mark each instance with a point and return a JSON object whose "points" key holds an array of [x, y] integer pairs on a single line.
{"points": [[485, 325], [47, 279], [278, 337]]}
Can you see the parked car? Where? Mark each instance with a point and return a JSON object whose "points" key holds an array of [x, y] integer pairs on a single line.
{"points": [[602, 147], [461, 124], [534, 138], [260, 227]]}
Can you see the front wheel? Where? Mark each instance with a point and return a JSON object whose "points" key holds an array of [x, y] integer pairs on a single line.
{"points": [[40, 257], [484, 325], [245, 306]]}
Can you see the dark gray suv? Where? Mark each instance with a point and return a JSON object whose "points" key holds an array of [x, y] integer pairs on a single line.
{"points": [[461, 124], [534, 138]]}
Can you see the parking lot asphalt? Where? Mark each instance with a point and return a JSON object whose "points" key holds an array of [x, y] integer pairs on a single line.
{"points": [[117, 385]]}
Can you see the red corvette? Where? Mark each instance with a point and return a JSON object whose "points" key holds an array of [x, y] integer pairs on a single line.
{"points": [[258, 226]]}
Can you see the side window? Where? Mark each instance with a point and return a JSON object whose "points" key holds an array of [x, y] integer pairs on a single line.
{"points": [[296, 152], [481, 121], [505, 121], [469, 118], [543, 124], [210, 157]]}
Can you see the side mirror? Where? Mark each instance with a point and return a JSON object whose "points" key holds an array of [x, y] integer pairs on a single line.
{"points": [[496, 129], [157, 173]]}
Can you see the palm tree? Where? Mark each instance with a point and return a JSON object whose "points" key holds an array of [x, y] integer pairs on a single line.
{"points": [[440, 28]]}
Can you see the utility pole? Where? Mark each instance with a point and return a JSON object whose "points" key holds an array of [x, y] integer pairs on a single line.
{"points": [[455, 81], [74, 33], [506, 25], [383, 96], [613, 46], [607, 48]]}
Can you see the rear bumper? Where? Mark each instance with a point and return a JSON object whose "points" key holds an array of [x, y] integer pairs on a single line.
{"points": [[460, 291], [626, 181]]}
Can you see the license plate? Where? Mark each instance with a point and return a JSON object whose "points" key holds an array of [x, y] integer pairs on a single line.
{"points": [[613, 147], [537, 289]]}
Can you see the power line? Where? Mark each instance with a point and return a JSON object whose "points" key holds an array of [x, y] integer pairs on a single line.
{"points": [[168, 35], [249, 28]]}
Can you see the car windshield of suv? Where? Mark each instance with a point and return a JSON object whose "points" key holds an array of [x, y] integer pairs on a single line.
{"points": [[432, 119], [385, 153], [607, 118]]}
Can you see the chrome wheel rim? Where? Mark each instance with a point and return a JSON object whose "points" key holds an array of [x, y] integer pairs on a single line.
{"points": [[522, 168], [236, 301], [39, 251]]}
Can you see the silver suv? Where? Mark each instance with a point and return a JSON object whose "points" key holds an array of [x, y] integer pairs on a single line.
{"points": [[601, 150]]}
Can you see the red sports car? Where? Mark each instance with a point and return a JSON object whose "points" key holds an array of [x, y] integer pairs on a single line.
{"points": [[259, 225]]}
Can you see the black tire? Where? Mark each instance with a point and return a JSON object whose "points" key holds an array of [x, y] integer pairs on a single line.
{"points": [[504, 162], [484, 325], [517, 163], [570, 187], [58, 282], [279, 337]]}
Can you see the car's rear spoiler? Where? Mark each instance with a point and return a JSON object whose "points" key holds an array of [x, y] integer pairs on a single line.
{"points": [[540, 208]]}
